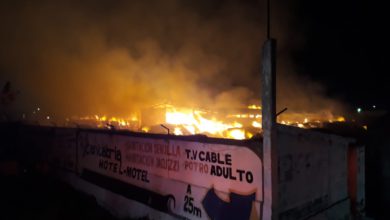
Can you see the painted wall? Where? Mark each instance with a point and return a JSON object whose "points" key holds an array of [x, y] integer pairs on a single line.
{"points": [[173, 177], [159, 176]]}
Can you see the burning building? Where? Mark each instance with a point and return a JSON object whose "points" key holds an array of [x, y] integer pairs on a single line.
{"points": [[101, 127], [235, 123]]}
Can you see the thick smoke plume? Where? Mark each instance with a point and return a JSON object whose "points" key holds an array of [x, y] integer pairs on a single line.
{"points": [[114, 57]]}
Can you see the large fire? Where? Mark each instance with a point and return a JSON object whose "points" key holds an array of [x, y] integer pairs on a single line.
{"points": [[168, 119]]}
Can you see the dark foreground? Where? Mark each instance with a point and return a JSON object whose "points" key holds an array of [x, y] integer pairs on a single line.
{"points": [[32, 196]]}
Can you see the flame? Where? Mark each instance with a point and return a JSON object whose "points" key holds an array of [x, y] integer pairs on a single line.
{"points": [[237, 133], [254, 107], [241, 124], [256, 124], [341, 119], [195, 122], [177, 131], [145, 129]]}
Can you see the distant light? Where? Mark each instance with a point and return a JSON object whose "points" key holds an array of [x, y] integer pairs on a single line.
{"points": [[374, 106], [359, 110], [38, 109], [47, 117]]}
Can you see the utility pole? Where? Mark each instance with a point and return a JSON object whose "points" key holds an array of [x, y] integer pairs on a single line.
{"points": [[270, 155]]}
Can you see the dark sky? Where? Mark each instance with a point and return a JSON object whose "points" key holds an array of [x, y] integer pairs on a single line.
{"points": [[92, 57], [347, 49]]}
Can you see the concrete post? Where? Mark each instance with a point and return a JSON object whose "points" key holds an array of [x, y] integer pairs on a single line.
{"points": [[270, 156]]}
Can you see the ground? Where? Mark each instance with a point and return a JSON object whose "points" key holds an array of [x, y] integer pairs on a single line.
{"points": [[32, 196]]}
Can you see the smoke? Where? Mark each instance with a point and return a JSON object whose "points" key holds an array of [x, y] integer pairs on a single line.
{"points": [[114, 57]]}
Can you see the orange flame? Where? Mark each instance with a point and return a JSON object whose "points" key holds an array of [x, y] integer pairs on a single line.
{"points": [[184, 121]]}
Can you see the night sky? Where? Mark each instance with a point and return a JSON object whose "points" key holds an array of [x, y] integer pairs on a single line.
{"points": [[92, 56], [346, 49]]}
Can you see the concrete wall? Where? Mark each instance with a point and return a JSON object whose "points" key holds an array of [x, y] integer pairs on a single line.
{"points": [[313, 181], [316, 171]]}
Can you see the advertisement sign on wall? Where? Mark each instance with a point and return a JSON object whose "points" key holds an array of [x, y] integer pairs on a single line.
{"points": [[184, 179]]}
